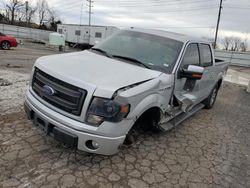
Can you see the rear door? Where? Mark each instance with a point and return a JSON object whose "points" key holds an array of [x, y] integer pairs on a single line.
{"points": [[210, 73], [187, 91]]}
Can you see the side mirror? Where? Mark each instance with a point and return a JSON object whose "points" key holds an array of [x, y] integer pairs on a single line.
{"points": [[192, 72]]}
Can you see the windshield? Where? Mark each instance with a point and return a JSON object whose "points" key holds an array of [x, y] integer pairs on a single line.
{"points": [[158, 53]]}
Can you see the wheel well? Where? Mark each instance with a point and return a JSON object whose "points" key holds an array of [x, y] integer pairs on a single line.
{"points": [[5, 41], [219, 83], [144, 122], [152, 113]]}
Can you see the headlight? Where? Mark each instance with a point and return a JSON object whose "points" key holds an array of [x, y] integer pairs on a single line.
{"points": [[106, 109]]}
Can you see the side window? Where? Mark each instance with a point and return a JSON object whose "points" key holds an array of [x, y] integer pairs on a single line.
{"points": [[78, 32], [191, 56], [98, 35], [206, 55]]}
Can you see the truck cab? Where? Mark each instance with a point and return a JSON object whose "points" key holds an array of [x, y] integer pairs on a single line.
{"points": [[91, 99]]}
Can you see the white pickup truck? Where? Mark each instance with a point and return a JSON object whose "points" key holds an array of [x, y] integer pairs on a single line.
{"points": [[90, 100]]}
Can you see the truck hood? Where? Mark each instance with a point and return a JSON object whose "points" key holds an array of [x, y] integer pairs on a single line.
{"points": [[90, 70]]}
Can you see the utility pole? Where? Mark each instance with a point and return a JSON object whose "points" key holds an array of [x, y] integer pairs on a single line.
{"points": [[26, 11], [218, 24], [81, 14], [90, 10]]}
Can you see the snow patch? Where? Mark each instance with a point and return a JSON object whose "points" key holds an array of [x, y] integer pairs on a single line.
{"points": [[13, 86]]}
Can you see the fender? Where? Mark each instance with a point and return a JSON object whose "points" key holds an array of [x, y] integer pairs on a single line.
{"points": [[153, 93], [154, 100]]}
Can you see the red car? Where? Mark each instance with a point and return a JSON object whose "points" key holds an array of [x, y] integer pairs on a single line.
{"points": [[6, 42]]}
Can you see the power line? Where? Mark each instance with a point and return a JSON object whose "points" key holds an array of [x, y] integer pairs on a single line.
{"points": [[67, 7], [162, 7], [179, 11], [65, 4], [143, 1], [236, 7], [161, 10], [158, 3]]}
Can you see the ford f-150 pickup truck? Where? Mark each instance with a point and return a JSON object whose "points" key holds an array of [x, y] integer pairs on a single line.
{"points": [[90, 100]]}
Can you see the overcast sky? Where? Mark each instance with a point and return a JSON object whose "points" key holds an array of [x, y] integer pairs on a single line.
{"points": [[193, 17]]}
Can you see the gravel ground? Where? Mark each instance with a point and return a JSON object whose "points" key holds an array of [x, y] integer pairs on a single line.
{"points": [[211, 149]]}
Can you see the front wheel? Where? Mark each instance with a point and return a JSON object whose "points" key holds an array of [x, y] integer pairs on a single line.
{"points": [[209, 102], [5, 45]]}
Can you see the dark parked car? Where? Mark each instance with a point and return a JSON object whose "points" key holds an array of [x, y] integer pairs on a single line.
{"points": [[6, 42]]}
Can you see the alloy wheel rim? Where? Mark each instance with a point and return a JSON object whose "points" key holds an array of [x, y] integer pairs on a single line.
{"points": [[213, 96], [5, 45]]}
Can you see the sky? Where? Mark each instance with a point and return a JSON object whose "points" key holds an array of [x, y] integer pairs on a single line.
{"points": [[192, 17]]}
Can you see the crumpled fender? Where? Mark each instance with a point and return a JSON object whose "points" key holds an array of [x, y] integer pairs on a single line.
{"points": [[153, 93]]}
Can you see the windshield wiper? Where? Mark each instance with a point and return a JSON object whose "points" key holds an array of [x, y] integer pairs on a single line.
{"points": [[131, 59], [102, 51]]}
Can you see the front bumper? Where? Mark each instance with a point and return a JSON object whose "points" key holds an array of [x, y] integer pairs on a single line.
{"points": [[14, 44], [72, 137]]}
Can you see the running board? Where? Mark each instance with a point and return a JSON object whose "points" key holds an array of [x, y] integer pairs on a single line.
{"points": [[180, 118]]}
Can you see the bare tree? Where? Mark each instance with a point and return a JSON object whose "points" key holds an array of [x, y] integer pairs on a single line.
{"points": [[243, 47], [244, 43], [30, 12], [226, 42], [12, 7], [51, 15], [235, 46], [43, 11], [53, 20]]}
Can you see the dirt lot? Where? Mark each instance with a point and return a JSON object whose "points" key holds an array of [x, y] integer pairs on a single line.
{"points": [[21, 59], [210, 149]]}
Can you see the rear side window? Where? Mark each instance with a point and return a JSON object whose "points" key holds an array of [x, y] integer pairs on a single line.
{"points": [[191, 56], [206, 55]]}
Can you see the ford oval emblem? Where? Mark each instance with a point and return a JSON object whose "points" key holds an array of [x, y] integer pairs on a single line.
{"points": [[47, 90]]}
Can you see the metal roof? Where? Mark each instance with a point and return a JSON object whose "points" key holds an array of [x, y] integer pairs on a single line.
{"points": [[86, 25]]}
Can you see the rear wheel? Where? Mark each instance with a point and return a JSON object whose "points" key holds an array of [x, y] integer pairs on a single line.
{"points": [[5, 45], [209, 102]]}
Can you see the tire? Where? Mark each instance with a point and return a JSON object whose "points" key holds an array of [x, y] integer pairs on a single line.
{"points": [[147, 122], [5, 45], [209, 102]]}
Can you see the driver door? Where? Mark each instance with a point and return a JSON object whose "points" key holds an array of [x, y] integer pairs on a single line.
{"points": [[187, 91]]}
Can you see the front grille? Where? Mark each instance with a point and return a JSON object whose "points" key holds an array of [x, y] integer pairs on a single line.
{"points": [[65, 96]]}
